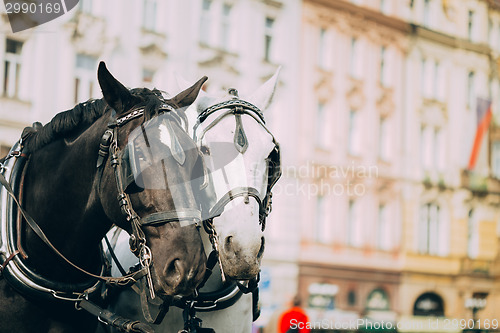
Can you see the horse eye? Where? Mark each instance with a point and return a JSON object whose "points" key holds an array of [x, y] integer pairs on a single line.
{"points": [[140, 155], [205, 150]]}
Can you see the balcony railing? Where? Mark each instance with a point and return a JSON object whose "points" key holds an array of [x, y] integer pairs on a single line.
{"points": [[479, 183], [475, 267]]}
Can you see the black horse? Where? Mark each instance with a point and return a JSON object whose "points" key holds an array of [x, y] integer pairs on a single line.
{"points": [[70, 189]]}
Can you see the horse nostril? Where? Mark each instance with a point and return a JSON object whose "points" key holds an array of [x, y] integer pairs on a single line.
{"points": [[262, 246], [173, 272]]}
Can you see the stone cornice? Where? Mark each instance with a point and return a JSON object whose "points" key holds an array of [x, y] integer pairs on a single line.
{"points": [[393, 23], [447, 40], [365, 14]]}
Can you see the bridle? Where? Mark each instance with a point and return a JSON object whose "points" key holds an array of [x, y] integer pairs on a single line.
{"points": [[137, 240], [237, 108], [228, 295]]}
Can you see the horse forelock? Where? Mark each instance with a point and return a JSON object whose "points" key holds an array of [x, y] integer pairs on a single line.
{"points": [[153, 101]]}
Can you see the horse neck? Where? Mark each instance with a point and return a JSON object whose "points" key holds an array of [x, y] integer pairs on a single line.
{"points": [[60, 195]]}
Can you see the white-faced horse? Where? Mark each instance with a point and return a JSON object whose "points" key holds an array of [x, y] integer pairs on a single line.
{"points": [[243, 160]]}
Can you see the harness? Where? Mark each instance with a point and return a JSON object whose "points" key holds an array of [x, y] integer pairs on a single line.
{"points": [[231, 291], [30, 284]]}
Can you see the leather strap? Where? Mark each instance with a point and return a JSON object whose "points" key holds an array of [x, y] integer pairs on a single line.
{"points": [[228, 104], [6, 262], [145, 307], [119, 281], [19, 221], [110, 318], [186, 217], [218, 208]]}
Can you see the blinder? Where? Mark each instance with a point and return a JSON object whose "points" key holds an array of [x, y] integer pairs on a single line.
{"points": [[126, 171], [274, 166], [238, 107], [154, 142]]}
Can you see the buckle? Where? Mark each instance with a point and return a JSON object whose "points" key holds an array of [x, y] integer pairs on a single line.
{"points": [[15, 153]]}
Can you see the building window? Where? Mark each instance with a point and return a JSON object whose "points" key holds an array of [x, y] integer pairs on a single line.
{"points": [[470, 90], [427, 13], [320, 226], [383, 229], [353, 227], [431, 79], [147, 76], [353, 140], [84, 77], [428, 304], [439, 150], [12, 68], [351, 298], [205, 22], [268, 38], [440, 82], [429, 229], [498, 37], [472, 235], [432, 148], [378, 300], [321, 126], [470, 25], [383, 139], [424, 77], [226, 26], [149, 15], [355, 61], [322, 296], [384, 6], [423, 148], [85, 6], [321, 48], [436, 81], [383, 67], [495, 159], [490, 33]]}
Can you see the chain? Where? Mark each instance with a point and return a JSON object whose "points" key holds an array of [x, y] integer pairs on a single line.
{"points": [[146, 258], [212, 235]]}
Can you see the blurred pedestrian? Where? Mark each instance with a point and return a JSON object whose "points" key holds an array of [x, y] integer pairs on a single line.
{"points": [[294, 320]]}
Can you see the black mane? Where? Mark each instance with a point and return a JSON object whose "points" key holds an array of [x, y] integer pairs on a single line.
{"points": [[84, 114], [62, 124]]}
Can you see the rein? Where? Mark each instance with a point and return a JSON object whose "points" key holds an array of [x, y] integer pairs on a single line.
{"points": [[137, 241], [122, 281]]}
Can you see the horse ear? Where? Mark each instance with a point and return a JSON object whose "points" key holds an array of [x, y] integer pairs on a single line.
{"points": [[116, 94], [187, 97], [202, 99], [263, 96]]}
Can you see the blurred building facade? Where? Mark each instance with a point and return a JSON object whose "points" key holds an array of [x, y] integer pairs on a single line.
{"points": [[350, 258], [391, 86], [377, 216]]}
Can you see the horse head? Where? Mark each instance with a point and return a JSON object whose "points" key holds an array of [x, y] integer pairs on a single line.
{"points": [[242, 158], [151, 167]]}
